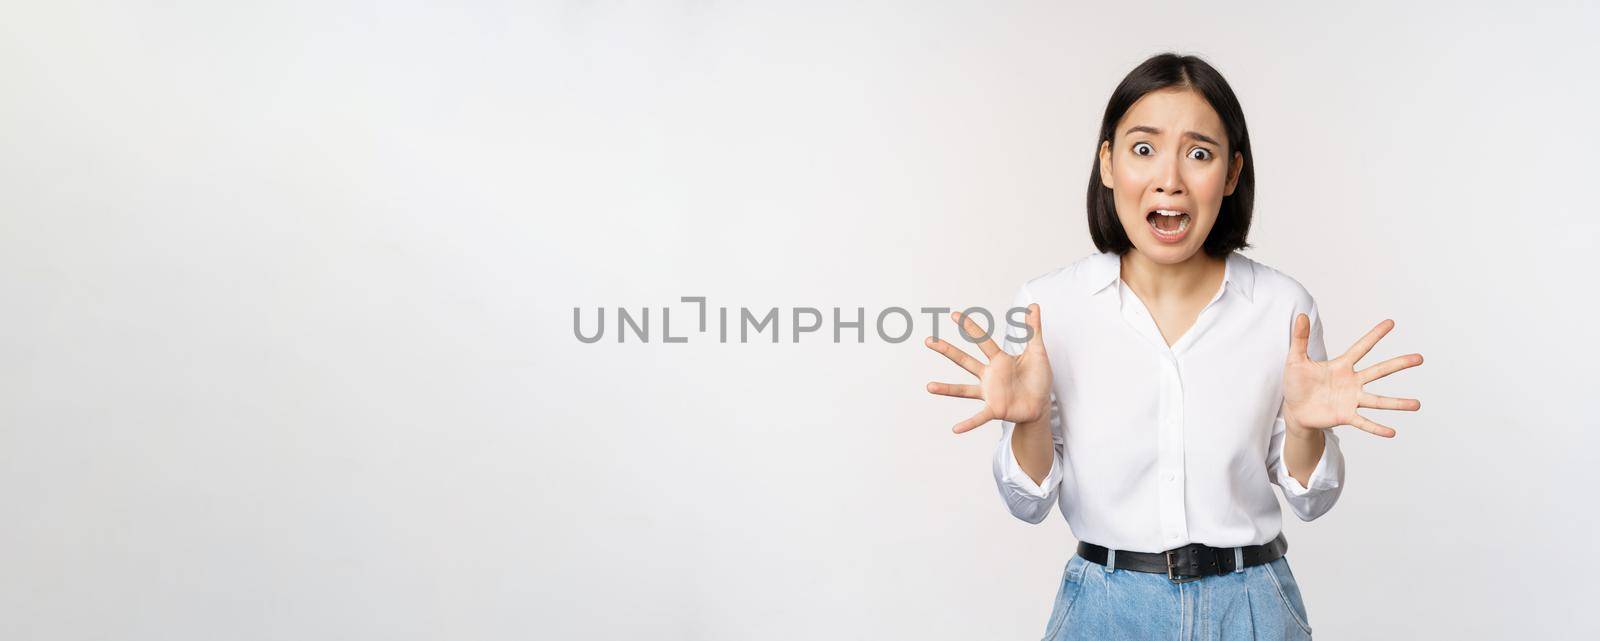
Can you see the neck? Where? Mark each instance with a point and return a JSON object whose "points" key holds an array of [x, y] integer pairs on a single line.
{"points": [[1197, 274]]}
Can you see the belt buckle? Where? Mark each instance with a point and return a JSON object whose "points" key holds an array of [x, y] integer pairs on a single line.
{"points": [[1184, 578]]}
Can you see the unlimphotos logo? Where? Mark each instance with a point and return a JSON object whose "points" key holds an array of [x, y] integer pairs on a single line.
{"points": [[802, 321]]}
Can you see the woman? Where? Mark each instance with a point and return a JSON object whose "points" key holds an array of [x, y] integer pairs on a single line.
{"points": [[1175, 382]]}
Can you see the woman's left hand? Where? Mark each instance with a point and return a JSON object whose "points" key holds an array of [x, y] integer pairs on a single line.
{"points": [[1323, 394]]}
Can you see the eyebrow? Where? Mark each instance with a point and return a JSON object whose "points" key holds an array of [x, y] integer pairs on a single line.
{"points": [[1152, 130]]}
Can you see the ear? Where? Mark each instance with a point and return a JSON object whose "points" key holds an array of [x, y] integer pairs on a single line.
{"points": [[1105, 164], [1234, 168]]}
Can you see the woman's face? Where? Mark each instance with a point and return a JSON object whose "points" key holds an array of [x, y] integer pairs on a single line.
{"points": [[1168, 168]]}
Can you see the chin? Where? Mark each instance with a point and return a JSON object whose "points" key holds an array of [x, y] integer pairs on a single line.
{"points": [[1165, 254]]}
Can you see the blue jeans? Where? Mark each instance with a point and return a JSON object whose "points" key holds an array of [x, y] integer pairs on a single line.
{"points": [[1260, 602]]}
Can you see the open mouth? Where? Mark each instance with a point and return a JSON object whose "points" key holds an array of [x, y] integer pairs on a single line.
{"points": [[1169, 225]]}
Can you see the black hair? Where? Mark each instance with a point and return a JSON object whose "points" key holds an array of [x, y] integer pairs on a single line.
{"points": [[1165, 71]]}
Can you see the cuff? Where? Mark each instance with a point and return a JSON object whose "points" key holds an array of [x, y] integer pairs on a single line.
{"points": [[1011, 474], [1327, 474]]}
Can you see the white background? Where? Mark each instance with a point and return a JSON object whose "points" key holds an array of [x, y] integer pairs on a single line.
{"points": [[286, 348]]}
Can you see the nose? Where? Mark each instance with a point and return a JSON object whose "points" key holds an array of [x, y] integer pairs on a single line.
{"points": [[1168, 179]]}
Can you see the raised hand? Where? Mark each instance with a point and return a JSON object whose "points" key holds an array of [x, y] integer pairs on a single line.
{"points": [[1323, 394], [1013, 388]]}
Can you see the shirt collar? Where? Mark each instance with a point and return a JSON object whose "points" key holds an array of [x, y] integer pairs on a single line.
{"points": [[1105, 269]]}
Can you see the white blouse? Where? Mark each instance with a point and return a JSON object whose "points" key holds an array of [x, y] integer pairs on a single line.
{"points": [[1159, 447]]}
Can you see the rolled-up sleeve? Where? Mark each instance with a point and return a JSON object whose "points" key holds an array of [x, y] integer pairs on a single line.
{"points": [[1326, 482], [1327, 479], [1025, 499]]}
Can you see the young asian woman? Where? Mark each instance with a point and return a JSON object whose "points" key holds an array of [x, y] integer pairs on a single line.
{"points": [[1175, 382]]}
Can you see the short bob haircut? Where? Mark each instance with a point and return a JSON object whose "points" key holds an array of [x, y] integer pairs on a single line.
{"points": [[1164, 71]]}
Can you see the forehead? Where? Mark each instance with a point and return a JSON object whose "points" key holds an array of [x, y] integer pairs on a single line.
{"points": [[1174, 111]]}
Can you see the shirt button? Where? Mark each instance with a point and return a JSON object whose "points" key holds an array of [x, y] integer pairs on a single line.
{"points": [[1172, 477]]}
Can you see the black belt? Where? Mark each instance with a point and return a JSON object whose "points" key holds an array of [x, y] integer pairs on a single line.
{"points": [[1190, 562]]}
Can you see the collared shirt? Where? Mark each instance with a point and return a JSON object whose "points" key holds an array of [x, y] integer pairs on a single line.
{"points": [[1157, 447]]}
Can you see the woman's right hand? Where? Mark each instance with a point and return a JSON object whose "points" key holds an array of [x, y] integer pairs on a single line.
{"points": [[1012, 388]]}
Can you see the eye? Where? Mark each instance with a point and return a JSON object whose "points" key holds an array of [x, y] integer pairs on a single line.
{"points": [[1143, 149], [1200, 153]]}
